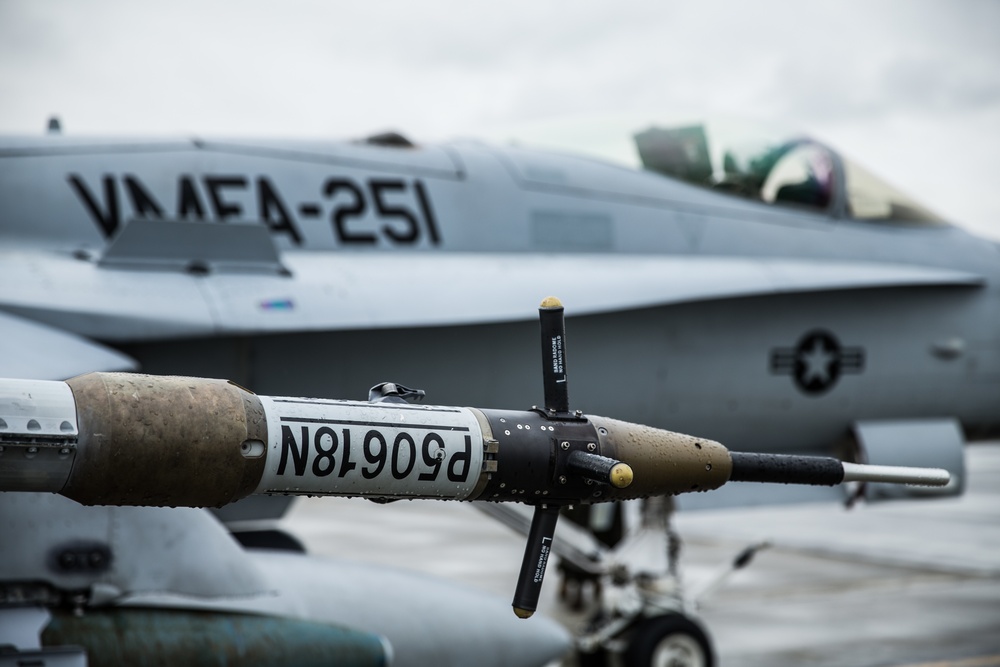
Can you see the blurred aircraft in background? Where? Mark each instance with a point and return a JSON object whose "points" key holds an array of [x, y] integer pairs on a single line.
{"points": [[763, 292]]}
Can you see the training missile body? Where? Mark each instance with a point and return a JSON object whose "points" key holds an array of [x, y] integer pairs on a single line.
{"points": [[130, 439]]}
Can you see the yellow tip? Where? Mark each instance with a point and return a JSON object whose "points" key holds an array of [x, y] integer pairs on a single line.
{"points": [[522, 613], [551, 302], [621, 475]]}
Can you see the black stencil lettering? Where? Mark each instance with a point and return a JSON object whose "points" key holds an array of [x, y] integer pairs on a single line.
{"points": [[299, 456], [273, 212], [143, 204], [224, 209], [349, 211], [430, 458], [463, 458], [410, 230], [107, 219], [411, 455], [324, 463], [188, 202], [425, 208], [346, 464], [377, 458]]}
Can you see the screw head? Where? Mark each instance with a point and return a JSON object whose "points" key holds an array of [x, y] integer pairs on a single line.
{"points": [[564, 445]]}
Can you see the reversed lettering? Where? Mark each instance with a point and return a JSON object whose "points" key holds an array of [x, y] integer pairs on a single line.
{"points": [[299, 454]]}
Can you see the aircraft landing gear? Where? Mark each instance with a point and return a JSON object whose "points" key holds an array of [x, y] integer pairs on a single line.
{"points": [[671, 640], [643, 621]]}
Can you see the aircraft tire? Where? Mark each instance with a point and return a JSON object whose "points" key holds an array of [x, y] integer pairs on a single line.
{"points": [[671, 640], [597, 658]]}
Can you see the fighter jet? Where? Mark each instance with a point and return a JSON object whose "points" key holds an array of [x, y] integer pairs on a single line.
{"points": [[769, 295]]}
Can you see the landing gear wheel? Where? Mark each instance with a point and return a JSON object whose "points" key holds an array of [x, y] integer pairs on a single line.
{"points": [[597, 658], [672, 640]]}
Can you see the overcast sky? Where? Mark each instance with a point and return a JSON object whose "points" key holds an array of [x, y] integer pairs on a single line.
{"points": [[909, 88]]}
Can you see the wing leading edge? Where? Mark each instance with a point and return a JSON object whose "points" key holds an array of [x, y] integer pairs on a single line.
{"points": [[326, 291]]}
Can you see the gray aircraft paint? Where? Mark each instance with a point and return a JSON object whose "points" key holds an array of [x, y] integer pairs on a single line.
{"points": [[454, 247]]}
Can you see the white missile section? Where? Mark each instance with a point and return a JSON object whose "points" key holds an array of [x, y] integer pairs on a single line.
{"points": [[382, 449]]}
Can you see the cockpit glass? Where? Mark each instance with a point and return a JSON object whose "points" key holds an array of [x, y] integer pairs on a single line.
{"points": [[762, 166], [802, 173], [753, 161], [871, 198]]}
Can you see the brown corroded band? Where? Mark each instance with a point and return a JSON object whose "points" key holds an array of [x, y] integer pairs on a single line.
{"points": [[663, 462], [159, 441]]}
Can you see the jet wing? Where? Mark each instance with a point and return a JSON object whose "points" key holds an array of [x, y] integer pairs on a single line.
{"points": [[434, 290], [331, 291], [38, 352]]}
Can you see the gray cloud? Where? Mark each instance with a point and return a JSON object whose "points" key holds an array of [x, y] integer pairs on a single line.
{"points": [[443, 67], [938, 85]]}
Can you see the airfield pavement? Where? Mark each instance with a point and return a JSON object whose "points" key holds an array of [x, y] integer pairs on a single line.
{"points": [[911, 583]]}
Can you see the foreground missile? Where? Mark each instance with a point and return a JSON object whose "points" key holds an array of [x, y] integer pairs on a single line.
{"points": [[129, 439]]}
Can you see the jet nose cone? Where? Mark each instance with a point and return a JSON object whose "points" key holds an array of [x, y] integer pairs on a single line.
{"points": [[428, 621]]}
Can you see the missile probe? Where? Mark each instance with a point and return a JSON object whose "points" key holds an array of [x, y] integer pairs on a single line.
{"points": [[132, 439]]}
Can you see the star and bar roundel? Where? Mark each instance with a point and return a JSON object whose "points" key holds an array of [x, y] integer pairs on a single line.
{"points": [[817, 362]]}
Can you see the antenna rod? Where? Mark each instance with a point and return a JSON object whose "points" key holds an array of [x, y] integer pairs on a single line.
{"points": [[553, 327]]}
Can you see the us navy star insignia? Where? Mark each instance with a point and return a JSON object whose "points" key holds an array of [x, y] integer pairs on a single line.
{"points": [[817, 361]]}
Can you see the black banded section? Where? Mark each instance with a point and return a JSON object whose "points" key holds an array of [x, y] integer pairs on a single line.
{"points": [[785, 469]]}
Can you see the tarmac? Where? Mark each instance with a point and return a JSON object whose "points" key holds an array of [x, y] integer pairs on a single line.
{"points": [[911, 583]]}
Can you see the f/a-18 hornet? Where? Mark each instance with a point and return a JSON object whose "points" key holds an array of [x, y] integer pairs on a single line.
{"points": [[772, 295]]}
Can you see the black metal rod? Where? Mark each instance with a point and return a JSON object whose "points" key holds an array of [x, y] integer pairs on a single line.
{"points": [[553, 327], [783, 469], [536, 557], [591, 466]]}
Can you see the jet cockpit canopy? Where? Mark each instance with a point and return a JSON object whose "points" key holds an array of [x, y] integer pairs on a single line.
{"points": [[756, 163]]}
